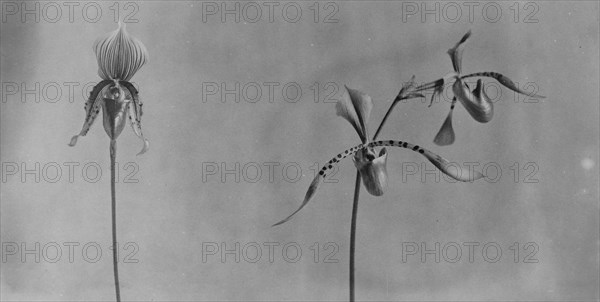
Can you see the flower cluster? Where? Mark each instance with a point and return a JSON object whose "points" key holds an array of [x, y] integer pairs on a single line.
{"points": [[356, 107]]}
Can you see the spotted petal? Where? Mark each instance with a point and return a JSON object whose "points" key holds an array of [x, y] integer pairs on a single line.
{"points": [[456, 52], [355, 106], [508, 83], [452, 170], [92, 108], [135, 113], [119, 55]]}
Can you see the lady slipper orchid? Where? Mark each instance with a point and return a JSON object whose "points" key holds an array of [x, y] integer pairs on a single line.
{"points": [[119, 57], [476, 102], [355, 107]]}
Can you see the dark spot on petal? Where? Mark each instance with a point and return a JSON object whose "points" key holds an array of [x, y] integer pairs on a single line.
{"points": [[339, 155], [405, 144], [321, 172], [330, 166], [415, 148], [421, 151]]}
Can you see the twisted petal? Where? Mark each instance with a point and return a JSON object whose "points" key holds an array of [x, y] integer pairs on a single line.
{"points": [[477, 102], [312, 189], [119, 55], [452, 170], [355, 107], [446, 134], [135, 113], [508, 83], [372, 169], [92, 108], [456, 52]]}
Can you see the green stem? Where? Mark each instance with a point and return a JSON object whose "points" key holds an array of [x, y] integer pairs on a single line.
{"points": [[113, 195]]}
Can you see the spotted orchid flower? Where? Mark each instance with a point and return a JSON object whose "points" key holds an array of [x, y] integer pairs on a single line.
{"points": [[356, 107], [476, 102], [119, 57]]}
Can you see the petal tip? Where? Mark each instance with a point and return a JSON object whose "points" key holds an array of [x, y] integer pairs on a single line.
{"points": [[73, 141], [145, 148]]}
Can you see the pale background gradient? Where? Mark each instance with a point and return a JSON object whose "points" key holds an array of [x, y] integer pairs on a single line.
{"points": [[171, 211]]}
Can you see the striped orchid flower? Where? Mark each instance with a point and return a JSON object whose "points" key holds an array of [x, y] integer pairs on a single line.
{"points": [[119, 57], [355, 106], [476, 102]]}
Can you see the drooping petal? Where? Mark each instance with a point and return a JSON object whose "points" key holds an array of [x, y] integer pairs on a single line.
{"points": [[456, 53], [312, 189], [477, 102], [355, 106], [446, 135], [457, 173], [372, 169], [135, 113], [92, 108], [119, 55], [452, 170], [508, 83]]}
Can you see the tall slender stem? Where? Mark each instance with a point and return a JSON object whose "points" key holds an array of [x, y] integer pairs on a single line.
{"points": [[353, 233], [113, 195], [355, 205]]}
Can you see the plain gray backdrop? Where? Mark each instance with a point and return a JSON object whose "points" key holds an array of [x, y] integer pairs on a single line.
{"points": [[546, 150]]}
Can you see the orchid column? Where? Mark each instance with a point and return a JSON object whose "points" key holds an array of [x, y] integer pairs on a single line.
{"points": [[119, 56]]}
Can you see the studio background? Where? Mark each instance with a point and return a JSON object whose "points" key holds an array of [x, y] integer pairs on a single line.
{"points": [[175, 209]]}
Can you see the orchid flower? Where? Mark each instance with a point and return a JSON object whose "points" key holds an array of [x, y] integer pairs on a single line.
{"points": [[119, 56], [476, 102], [355, 107]]}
